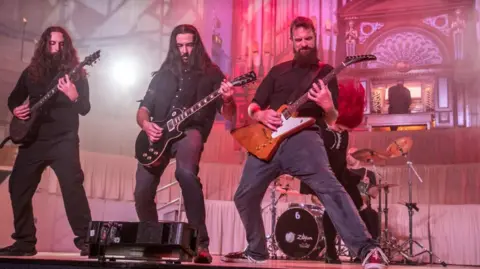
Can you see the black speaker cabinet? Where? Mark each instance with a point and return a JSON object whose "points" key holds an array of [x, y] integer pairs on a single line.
{"points": [[158, 241]]}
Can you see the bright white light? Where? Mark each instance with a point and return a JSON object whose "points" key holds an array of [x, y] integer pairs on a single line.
{"points": [[124, 72]]}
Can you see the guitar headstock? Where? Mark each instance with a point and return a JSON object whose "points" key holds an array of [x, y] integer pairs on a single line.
{"points": [[244, 79], [91, 59], [349, 60]]}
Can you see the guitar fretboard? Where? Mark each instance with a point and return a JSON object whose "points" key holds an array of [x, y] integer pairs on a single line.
{"points": [[196, 107], [292, 108], [51, 92]]}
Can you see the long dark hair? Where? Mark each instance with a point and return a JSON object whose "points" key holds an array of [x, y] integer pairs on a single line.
{"points": [[198, 60], [43, 64]]}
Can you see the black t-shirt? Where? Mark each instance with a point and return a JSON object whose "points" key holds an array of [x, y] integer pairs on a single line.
{"points": [[168, 91], [281, 86], [59, 115]]}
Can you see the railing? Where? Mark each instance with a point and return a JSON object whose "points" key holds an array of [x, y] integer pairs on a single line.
{"points": [[176, 200]]}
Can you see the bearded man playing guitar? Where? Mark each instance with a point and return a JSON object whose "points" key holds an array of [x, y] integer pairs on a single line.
{"points": [[186, 76], [54, 142], [302, 155]]}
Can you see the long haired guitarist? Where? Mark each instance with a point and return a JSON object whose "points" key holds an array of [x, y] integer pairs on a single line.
{"points": [[302, 155], [56, 140], [186, 76]]}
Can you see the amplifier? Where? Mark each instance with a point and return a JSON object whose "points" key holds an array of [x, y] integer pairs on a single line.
{"points": [[173, 242]]}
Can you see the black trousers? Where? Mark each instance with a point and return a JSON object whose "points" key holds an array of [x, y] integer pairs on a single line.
{"points": [[62, 154], [187, 152]]}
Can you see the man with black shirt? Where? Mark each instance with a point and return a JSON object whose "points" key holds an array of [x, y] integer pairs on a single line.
{"points": [[56, 143], [399, 99], [302, 155], [186, 76]]}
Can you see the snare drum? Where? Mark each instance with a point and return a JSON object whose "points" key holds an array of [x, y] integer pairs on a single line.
{"points": [[299, 231]]}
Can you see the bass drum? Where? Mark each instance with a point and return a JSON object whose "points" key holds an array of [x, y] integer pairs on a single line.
{"points": [[299, 232]]}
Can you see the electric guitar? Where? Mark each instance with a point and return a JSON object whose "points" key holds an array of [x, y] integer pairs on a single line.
{"points": [[22, 131], [262, 142], [150, 154]]}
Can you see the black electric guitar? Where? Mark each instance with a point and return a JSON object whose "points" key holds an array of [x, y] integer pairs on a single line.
{"points": [[148, 153], [22, 131]]}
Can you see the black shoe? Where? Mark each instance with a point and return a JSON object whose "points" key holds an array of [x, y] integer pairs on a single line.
{"points": [[203, 256], [14, 250], [241, 256], [334, 260], [84, 251]]}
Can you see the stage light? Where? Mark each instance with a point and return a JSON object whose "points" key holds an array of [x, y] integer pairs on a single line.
{"points": [[124, 72]]}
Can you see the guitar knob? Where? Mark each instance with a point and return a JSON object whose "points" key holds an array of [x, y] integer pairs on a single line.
{"points": [[155, 153], [144, 155], [150, 150], [149, 158]]}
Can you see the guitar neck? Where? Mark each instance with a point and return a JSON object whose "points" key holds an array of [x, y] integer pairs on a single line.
{"points": [[196, 107], [52, 91], [304, 98]]}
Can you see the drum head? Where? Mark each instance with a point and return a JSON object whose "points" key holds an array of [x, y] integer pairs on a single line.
{"points": [[298, 232]]}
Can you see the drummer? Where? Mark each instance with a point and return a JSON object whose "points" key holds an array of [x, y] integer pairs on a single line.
{"points": [[366, 182]]}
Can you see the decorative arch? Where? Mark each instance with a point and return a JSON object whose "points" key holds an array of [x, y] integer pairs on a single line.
{"points": [[406, 48]]}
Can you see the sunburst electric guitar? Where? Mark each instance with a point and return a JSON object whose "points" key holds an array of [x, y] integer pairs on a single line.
{"points": [[262, 142], [150, 154]]}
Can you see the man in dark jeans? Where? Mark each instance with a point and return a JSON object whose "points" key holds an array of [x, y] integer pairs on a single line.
{"points": [[186, 76], [351, 102], [302, 155], [55, 143]]}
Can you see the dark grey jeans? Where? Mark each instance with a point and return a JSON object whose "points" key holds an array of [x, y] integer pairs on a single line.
{"points": [[187, 152], [303, 156]]}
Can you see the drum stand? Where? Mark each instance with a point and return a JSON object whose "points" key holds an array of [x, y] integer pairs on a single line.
{"points": [[411, 206], [387, 242], [271, 242]]}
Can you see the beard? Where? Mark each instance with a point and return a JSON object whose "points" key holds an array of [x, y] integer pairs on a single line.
{"points": [[305, 56], [54, 61]]}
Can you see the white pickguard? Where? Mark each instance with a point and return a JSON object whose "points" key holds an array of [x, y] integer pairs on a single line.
{"points": [[290, 124]]}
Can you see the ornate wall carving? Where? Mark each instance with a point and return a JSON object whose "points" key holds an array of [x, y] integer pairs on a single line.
{"points": [[406, 48]]}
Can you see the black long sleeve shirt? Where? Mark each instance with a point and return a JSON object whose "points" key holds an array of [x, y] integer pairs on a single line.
{"points": [[59, 115], [167, 92]]}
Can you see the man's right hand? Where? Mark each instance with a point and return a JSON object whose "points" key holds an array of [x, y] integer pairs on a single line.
{"points": [[22, 112], [270, 118], [154, 132]]}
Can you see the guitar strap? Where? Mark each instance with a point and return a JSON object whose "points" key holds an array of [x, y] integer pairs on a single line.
{"points": [[307, 82]]}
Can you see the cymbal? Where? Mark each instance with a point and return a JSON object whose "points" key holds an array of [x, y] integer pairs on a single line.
{"points": [[368, 155], [287, 191], [399, 147]]}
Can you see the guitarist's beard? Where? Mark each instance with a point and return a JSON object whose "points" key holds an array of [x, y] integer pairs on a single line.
{"points": [[305, 56], [54, 61]]}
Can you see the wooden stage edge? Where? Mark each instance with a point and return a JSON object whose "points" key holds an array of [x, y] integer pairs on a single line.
{"points": [[46, 260]]}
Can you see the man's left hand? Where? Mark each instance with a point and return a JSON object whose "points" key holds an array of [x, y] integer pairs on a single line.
{"points": [[68, 88], [321, 96], [226, 89]]}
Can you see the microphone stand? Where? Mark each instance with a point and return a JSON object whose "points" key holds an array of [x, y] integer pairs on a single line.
{"points": [[413, 206]]}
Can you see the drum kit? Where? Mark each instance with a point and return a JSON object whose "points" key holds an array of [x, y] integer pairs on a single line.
{"points": [[298, 232]]}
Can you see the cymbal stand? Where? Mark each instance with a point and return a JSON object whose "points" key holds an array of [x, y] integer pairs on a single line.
{"points": [[271, 241], [387, 242], [411, 206]]}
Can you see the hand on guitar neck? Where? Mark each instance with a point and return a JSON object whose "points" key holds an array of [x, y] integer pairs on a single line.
{"points": [[23, 111]]}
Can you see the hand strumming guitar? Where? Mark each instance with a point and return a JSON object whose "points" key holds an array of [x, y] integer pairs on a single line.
{"points": [[269, 117], [154, 132], [23, 111]]}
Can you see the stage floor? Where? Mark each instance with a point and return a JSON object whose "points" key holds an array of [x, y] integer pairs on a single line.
{"points": [[72, 260]]}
